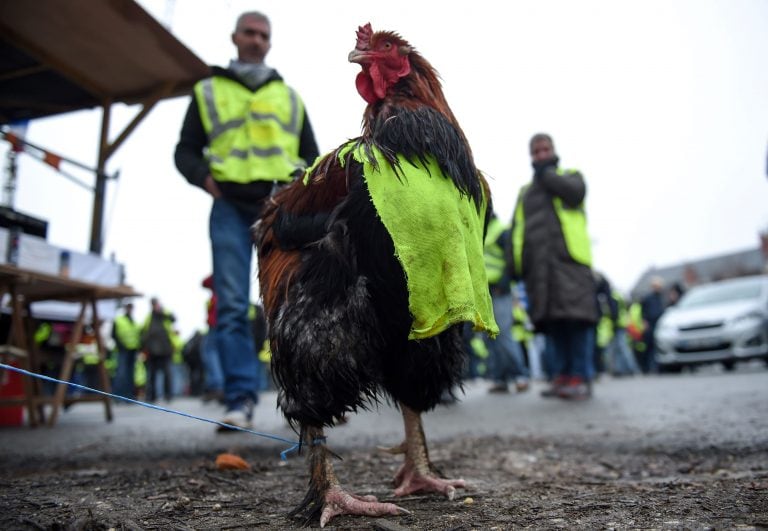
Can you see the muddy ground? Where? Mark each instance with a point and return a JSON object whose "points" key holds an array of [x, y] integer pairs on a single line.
{"points": [[514, 483]]}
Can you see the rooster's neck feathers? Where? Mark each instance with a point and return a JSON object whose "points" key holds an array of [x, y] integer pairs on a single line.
{"points": [[415, 121]]}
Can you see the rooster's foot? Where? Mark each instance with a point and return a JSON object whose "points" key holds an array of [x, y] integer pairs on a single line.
{"points": [[339, 501], [409, 480]]}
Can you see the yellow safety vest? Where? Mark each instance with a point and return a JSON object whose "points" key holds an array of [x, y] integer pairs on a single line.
{"points": [[520, 319], [253, 136], [42, 333], [623, 314], [88, 352], [493, 252], [178, 346], [573, 223], [128, 332], [139, 373], [604, 331], [439, 244], [635, 319]]}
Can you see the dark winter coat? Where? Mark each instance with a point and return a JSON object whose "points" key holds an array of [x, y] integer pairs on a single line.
{"points": [[558, 287]]}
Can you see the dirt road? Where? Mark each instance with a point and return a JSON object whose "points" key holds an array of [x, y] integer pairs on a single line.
{"points": [[681, 452]]}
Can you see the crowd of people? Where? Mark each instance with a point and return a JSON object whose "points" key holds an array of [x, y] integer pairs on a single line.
{"points": [[150, 361]]}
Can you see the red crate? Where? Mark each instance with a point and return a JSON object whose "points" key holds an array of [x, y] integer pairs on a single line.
{"points": [[11, 385]]}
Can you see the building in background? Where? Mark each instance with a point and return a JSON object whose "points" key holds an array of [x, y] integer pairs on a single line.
{"points": [[693, 272]]}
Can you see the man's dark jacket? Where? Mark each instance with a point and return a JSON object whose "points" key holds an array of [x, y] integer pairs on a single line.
{"points": [[558, 287]]}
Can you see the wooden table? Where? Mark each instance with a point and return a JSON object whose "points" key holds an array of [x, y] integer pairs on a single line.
{"points": [[25, 287]]}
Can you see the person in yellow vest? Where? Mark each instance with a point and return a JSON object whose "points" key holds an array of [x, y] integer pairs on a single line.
{"points": [[87, 354], [505, 360], [179, 371], [245, 132], [522, 332], [158, 344], [140, 376], [636, 331], [605, 322], [603, 337], [127, 336], [551, 253], [621, 356]]}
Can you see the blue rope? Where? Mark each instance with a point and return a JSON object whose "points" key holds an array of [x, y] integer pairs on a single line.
{"points": [[283, 454]]}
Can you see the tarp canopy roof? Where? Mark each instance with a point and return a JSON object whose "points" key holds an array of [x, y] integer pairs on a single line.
{"points": [[58, 56], [61, 56]]}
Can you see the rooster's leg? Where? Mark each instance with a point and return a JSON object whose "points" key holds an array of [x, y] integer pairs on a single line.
{"points": [[417, 473], [325, 488]]}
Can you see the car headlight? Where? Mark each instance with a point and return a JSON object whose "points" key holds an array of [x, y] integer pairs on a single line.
{"points": [[753, 317], [664, 329]]}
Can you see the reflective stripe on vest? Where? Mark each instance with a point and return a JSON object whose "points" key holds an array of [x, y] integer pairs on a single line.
{"points": [[253, 136], [493, 252]]}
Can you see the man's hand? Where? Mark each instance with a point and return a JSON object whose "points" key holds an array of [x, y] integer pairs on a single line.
{"points": [[211, 187], [540, 166]]}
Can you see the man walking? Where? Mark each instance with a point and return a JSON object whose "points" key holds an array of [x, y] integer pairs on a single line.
{"points": [[245, 132]]}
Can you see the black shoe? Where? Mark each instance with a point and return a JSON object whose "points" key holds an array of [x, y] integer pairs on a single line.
{"points": [[211, 395], [499, 389]]}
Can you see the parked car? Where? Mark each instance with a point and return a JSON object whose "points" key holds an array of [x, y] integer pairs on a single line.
{"points": [[724, 321]]}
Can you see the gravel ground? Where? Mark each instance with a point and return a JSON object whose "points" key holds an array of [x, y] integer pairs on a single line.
{"points": [[512, 483], [682, 452]]}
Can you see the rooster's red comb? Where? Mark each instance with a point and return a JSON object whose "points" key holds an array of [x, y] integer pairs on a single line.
{"points": [[364, 34]]}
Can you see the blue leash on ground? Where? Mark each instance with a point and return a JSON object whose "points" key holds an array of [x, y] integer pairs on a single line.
{"points": [[283, 454]]}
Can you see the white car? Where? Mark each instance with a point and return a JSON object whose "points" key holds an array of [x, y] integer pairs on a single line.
{"points": [[725, 321]]}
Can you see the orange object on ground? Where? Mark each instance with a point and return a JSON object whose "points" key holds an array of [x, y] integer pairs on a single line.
{"points": [[231, 462]]}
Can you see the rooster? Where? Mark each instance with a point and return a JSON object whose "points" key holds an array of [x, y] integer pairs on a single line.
{"points": [[369, 267]]}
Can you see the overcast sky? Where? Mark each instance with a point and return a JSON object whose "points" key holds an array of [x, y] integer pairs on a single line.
{"points": [[663, 106]]}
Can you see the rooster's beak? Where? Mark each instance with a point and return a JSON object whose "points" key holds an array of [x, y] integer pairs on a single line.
{"points": [[358, 56]]}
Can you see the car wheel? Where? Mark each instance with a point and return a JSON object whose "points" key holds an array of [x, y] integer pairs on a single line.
{"points": [[729, 365], [672, 369]]}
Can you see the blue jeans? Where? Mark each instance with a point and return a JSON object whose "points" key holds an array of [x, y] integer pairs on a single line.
{"points": [[159, 372], [505, 357], [548, 362], [572, 345], [179, 379], [648, 360], [123, 386], [214, 377], [232, 247]]}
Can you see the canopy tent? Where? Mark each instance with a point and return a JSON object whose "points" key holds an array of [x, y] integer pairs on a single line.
{"points": [[58, 57]]}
